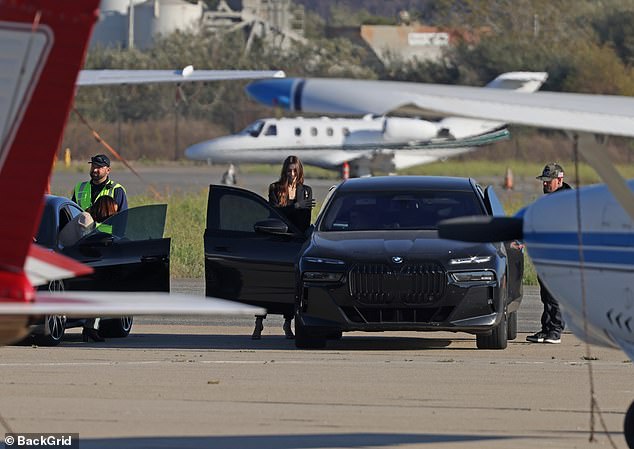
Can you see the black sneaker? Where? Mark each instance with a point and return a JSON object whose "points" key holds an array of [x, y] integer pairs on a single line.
{"points": [[552, 338], [539, 337]]}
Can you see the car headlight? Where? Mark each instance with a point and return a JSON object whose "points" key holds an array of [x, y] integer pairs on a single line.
{"points": [[474, 276], [322, 276], [322, 269], [323, 260], [472, 259]]}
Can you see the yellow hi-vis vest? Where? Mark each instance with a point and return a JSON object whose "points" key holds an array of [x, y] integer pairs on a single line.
{"points": [[105, 228], [83, 193]]}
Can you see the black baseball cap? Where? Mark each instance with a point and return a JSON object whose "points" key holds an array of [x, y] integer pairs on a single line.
{"points": [[551, 171], [100, 160]]}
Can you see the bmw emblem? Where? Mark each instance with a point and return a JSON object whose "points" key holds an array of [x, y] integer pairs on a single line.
{"points": [[397, 259]]}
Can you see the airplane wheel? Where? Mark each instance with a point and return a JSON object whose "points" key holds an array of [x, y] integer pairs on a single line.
{"points": [[628, 426], [116, 327], [54, 328]]}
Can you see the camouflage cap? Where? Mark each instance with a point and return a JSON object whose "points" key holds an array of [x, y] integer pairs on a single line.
{"points": [[551, 171], [100, 160]]}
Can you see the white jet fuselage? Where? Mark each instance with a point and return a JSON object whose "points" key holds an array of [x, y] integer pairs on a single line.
{"points": [[325, 142]]}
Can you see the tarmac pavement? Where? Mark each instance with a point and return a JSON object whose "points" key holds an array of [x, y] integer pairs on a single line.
{"points": [[203, 383]]}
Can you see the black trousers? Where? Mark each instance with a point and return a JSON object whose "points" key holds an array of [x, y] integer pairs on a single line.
{"points": [[552, 320]]}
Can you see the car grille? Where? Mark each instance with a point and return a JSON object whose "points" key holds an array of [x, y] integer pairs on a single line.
{"points": [[375, 284], [385, 315]]}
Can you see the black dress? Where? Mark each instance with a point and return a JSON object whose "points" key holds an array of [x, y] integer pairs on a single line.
{"points": [[300, 217]]}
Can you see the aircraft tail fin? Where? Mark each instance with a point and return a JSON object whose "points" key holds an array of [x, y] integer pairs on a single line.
{"points": [[44, 45], [519, 81]]}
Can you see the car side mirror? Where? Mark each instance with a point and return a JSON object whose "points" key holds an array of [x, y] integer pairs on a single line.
{"points": [[271, 226]]}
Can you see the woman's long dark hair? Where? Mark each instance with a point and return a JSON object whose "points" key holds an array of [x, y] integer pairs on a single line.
{"points": [[103, 208], [281, 186]]}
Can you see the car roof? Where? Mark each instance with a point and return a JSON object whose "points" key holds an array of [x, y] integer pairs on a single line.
{"points": [[384, 183], [56, 200]]}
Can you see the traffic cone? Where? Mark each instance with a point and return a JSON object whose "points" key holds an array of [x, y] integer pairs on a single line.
{"points": [[67, 158], [508, 179], [345, 170]]}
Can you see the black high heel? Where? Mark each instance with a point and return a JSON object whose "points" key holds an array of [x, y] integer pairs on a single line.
{"points": [[259, 327], [287, 329]]}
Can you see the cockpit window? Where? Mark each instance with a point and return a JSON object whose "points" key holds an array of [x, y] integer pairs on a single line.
{"points": [[254, 129], [271, 130], [370, 211]]}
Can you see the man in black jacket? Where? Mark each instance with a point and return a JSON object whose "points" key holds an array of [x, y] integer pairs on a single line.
{"points": [[552, 322]]}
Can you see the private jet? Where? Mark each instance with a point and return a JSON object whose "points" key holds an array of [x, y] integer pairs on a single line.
{"points": [[371, 144]]}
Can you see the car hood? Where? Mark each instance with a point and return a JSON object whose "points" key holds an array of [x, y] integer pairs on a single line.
{"points": [[376, 245]]}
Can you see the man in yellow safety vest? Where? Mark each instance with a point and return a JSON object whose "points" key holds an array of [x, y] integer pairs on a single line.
{"points": [[85, 194]]}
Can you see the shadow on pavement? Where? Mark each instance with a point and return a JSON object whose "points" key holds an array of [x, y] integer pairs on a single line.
{"points": [[301, 441], [244, 342]]}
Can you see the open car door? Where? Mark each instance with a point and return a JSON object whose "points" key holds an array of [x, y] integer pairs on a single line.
{"points": [[131, 255], [514, 254], [250, 250]]}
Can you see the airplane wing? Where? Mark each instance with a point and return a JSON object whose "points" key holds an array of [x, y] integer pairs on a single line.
{"points": [[104, 304], [188, 74], [604, 114]]}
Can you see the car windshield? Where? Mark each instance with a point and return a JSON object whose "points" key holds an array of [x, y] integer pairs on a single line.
{"points": [[137, 223], [369, 211]]}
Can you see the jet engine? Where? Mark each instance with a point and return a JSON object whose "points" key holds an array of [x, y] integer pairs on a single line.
{"points": [[400, 129]]}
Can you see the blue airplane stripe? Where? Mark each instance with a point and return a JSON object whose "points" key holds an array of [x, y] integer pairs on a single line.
{"points": [[623, 239], [599, 256]]}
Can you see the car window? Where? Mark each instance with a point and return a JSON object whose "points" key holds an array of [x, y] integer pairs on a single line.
{"points": [[137, 223], [239, 213], [493, 203], [365, 211]]}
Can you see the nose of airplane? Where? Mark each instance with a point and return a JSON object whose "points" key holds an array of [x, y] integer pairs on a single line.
{"points": [[272, 92], [199, 151]]}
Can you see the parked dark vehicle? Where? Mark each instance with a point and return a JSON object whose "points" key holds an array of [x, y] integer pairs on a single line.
{"points": [[135, 257], [373, 261]]}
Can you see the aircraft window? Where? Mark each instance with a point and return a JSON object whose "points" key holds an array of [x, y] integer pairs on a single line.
{"points": [[298, 132], [271, 131], [313, 131], [346, 132], [329, 132], [254, 128]]}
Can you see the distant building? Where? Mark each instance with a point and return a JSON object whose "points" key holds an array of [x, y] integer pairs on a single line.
{"points": [[137, 23], [277, 21], [405, 42]]}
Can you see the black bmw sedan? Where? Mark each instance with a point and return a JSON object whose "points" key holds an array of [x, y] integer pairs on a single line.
{"points": [[372, 261]]}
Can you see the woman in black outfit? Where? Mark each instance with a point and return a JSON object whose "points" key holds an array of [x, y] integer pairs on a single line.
{"points": [[294, 200]]}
